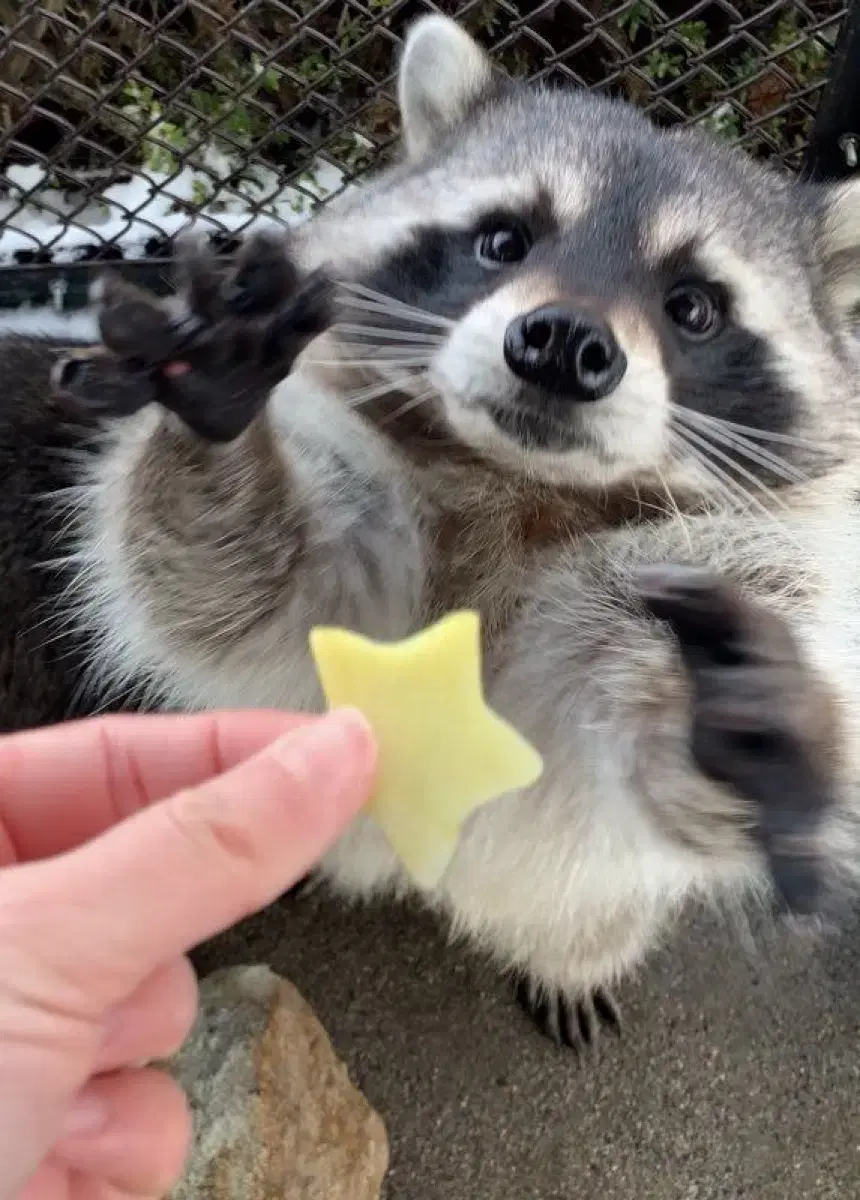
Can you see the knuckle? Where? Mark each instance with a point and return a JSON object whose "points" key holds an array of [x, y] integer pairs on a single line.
{"points": [[214, 825]]}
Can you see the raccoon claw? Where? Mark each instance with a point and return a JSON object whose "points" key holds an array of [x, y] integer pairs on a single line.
{"points": [[214, 364], [102, 384], [759, 720], [117, 378], [263, 279], [575, 1022], [705, 613]]}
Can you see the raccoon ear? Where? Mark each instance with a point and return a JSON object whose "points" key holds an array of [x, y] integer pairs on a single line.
{"points": [[840, 242], [443, 74]]}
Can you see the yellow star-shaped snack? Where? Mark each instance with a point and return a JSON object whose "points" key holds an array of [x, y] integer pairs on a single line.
{"points": [[442, 750]]}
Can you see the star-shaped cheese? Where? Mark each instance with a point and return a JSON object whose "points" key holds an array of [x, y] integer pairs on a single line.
{"points": [[442, 750]]}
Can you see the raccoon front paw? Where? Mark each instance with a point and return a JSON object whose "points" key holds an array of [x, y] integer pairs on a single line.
{"points": [[212, 354], [573, 1021], [762, 721]]}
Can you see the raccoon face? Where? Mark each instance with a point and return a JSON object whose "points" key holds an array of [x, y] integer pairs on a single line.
{"points": [[592, 301]]}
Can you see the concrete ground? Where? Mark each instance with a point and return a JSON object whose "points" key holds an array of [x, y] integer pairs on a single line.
{"points": [[738, 1077]]}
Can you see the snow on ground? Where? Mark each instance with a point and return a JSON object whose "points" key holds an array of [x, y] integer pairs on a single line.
{"points": [[77, 326], [138, 216], [141, 213]]}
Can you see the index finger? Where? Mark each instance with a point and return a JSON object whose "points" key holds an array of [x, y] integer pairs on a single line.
{"points": [[64, 785]]}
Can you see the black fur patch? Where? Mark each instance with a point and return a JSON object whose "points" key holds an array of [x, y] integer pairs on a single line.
{"points": [[439, 271], [43, 442], [734, 378]]}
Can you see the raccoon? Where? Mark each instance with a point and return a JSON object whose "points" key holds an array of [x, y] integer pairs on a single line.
{"points": [[591, 378], [43, 440]]}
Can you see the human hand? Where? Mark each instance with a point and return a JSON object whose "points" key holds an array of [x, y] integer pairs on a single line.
{"points": [[125, 841]]}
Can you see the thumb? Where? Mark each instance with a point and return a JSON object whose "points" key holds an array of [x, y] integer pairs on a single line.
{"points": [[98, 920]]}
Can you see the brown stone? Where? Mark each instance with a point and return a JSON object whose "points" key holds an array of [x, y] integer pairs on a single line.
{"points": [[276, 1116]]}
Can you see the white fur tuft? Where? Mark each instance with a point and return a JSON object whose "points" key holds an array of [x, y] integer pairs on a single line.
{"points": [[443, 72]]}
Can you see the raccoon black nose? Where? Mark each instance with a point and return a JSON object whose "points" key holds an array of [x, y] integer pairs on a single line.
{"points": [[567, 353]]}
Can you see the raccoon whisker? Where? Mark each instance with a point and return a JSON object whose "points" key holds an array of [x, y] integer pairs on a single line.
{"points": [[380, 300], [408, 406], [732, 489], [390, 309], [654, 506], [365, 395], [368, 361], [726, 487], [674, 507], [763, 458], [736, 441], [359, 294], [374, 353], [636, 493], [379, 364], [731, 436], [709, 448], [766, 435], [742, 493], [411, 320], [376, 350], [390, 334]]}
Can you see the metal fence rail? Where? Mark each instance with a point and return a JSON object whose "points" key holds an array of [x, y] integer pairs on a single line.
{"points": [[118, 120]]}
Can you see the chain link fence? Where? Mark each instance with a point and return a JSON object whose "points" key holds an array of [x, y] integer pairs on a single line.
{"points": [[119, 120]]}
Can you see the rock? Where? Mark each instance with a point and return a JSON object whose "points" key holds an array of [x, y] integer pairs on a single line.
{"points": [[276, 1116]]}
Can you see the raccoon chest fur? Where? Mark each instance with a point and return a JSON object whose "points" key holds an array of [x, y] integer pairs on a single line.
{"points": [[488, 535]]}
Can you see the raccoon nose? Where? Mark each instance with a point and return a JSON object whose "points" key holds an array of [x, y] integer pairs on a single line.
{"points": [[566, 352]]}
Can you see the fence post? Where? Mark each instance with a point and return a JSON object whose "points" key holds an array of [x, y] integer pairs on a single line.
{"points": [[834, 146]]}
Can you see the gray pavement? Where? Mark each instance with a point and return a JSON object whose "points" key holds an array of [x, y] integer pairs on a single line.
{"points": [[738, 1077]]}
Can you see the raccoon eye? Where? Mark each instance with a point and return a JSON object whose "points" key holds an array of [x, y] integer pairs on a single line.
{"points": [[501, 243], [697, 311]]}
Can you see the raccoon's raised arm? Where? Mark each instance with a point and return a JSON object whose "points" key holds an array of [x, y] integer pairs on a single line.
{"points": [[236, 506], [688, 704], [213, 353]]}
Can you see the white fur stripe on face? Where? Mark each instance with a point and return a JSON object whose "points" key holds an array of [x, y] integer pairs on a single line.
{"points": [[366, 234]]}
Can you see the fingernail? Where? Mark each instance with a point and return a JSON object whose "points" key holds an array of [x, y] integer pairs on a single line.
{"points": [[87, 1117], [336, 754]]}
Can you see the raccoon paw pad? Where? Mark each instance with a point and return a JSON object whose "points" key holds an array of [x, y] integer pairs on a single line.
{"points": [[760, 717], [101, 384]]}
